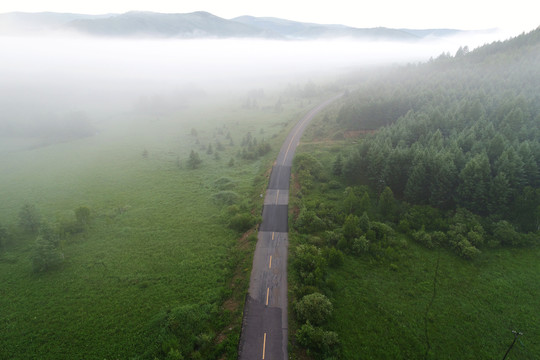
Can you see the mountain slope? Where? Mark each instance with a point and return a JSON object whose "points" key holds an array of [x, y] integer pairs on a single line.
{"points": [[201, 25], [300, 30], [17, 22], [192, 25]]}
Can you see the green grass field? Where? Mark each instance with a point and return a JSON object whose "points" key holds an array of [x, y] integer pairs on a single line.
{"points": [[380, 311], [157, 240]]}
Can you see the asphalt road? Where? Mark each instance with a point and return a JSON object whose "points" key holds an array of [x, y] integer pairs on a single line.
{"points": [[264, 327]]}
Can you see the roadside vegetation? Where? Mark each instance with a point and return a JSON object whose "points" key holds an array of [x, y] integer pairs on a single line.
{"points": [[137, 242], [415, 212]]}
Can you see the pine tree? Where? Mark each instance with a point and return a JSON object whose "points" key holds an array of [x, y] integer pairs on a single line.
{"points": [[417, 188], [499, 195], [511, 164], [444, 182], [194, 160], [29, 218], [387, 203], [475, 180], [337, 167]]}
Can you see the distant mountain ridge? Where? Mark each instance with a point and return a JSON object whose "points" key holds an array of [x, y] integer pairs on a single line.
{"points": [[299, 30], [192, 25], [200, 24]]}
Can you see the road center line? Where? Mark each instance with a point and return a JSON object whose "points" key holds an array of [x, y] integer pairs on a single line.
{"points": [[253, 324]]}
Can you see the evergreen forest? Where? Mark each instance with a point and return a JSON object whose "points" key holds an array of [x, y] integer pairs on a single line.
{"points": [[416, 212], [462, 131]]}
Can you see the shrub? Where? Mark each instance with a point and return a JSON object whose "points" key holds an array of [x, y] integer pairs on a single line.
{"points": [[315, 308], [315, 240], [342, 244], [306, 290], [360, 245], [226, 197], [242, 222], [332, 237], [317, 340], [252, 237], [174, 354], [308, 222], [371, 235], [46, 256], [310, 264], [184, 330], [232, 210], [422, 237], [403, 226], [422, 215], [438, 238], [70, 228], [224, 183], [475, 238], [334, 257], [465, 248], [399, 243], [468, 251], [82, 215], [334, 185], [306, 161], [506, 234], [382, 230]]}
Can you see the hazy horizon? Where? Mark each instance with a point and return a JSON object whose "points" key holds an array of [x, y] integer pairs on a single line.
{"points": [[54, 75], [461, 14]]}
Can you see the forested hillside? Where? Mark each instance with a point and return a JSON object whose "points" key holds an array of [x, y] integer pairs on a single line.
{"points": [[416, 211], [461, 131]]}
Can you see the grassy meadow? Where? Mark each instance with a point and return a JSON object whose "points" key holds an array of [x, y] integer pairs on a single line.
{"points": [[157, 240], [381, 310]]}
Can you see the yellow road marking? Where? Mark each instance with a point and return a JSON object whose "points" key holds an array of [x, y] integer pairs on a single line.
{"points": [[272, 236], [264, 345], [270, 266], [267, 293], [277, 196]]}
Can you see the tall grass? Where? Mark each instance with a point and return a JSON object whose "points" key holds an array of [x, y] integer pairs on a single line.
{"points": [[380, 311]]}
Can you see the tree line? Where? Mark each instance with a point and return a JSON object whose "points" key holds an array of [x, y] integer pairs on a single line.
{"points": [[457, 132]]}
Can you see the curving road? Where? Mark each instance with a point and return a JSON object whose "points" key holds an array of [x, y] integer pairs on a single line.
{"points": [[264, 327]]}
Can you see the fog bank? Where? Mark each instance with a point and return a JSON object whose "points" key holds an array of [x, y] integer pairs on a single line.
{"points": [[50, 77]]}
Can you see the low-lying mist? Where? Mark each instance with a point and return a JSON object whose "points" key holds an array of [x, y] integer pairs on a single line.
{"points": [[50, 83]]}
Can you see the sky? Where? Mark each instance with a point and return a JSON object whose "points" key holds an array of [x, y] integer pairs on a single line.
{"points": [[514, 16]]}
